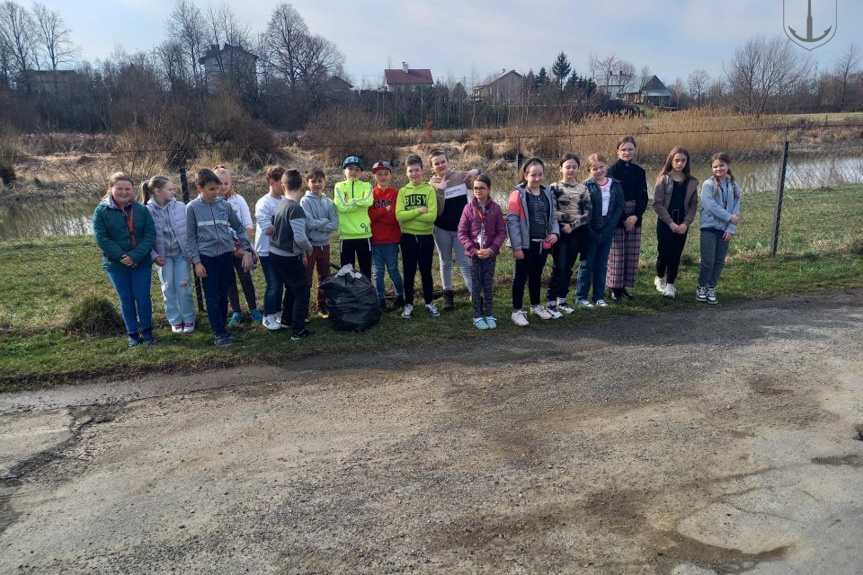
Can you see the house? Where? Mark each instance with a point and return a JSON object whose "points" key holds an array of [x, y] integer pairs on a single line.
{"points": [[653, 93], [336, 85], [506, 88], [233, 64], [407, 79]]}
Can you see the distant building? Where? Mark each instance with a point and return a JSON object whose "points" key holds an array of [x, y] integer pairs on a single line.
{"points": [[507, 88], [653, 93], [407, 79], [336, 85], [231, 64]]}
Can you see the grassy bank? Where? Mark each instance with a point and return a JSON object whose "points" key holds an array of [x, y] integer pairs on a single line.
{"points": [[821, 248]]}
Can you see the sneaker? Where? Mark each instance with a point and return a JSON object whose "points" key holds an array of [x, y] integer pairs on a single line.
{"points": [[711, 296], [480, 323], [271, 323], [701, 293], [601, 303], [305, 332], [660, 284], [256, 316], [235, 320], [540, 312], [564, 307], [188, 327], [448, 303], [224, 340], [382, 304], [285, 322], [278, 315], [399, 303], [519, 318], [177, 328], [133, 340], [147, 337], [615, 295], [670, 290], [324, 313], [432, 309], [583, 303], [407, 311], [553, 311], [490, 322]]}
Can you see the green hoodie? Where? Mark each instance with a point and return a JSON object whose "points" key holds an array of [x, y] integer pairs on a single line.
{"points": [[352, 200], [409, 200]]}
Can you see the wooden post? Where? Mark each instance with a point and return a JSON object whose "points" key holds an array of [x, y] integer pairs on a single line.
{"points": [[780, 190]]}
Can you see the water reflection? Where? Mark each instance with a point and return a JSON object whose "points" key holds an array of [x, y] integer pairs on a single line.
{"points": [[36, 219]]}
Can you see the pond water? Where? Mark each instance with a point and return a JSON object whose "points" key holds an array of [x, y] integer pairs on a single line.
{"points": [[53, 217]]}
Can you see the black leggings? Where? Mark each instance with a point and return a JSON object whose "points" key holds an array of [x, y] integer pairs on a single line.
{"points": [[529, 269], [670, 246], [362, 249], [418, 251]]}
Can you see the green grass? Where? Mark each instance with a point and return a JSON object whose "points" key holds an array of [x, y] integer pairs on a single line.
{"points": [[821, 247], [829, 118]]}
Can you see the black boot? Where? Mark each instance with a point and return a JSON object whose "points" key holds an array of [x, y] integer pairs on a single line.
{"points": [[625, 293], [448, 304], [383, 305], [399, 303]]}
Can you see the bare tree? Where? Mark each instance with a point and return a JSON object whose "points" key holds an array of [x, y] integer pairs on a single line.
{"points": [[18, 41], [698, 85], [613, 75], [764, 70], [318, 60], [55, 38], [845, 69], [644, 76], [287, 32], [185, 28], [227, 27]]}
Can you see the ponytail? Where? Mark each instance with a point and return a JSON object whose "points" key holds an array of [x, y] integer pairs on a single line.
{"points": [[148, 187]]}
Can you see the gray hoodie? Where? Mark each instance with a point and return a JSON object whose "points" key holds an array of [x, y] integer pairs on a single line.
{"points": [[208, 229], [322, 219]]}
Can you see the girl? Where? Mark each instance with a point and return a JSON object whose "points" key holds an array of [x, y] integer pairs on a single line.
{"points": [[572, 211], [264, 210], [533, 230], [626, 244], [170, 252], [606, 197], [675, 199], [125, 233], [720, 214], [482, 231], [241, 208]]}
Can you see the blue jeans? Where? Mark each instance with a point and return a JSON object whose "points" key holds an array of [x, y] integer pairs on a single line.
{"points": [[177, 290], [387, 255], [220, 271], [275, 287], [593, 271], [133, 288]]}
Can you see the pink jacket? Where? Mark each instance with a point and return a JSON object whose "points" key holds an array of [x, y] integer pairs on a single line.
{"points": [[478, 230]]}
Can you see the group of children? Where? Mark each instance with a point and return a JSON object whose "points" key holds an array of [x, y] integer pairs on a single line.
{"points": [[597, 221]]}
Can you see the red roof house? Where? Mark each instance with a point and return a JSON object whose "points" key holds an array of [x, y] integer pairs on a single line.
{"points": [[405, 79]]}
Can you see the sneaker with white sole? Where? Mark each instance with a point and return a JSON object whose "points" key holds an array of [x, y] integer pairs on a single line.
{"points": [[432, 309], [601, 303], [188, 327], [407, 311], [480, 323], [552, 310], [583, 303], [701, 293], [519, 318], [540, 312], [177, 328], [670, 291], [271, 323], [711, 296], [564, 307], [660, 284], [278, 316], [490, 322]]}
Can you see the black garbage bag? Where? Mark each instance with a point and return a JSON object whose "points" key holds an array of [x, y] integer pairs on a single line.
{"points": [[351, 299]]}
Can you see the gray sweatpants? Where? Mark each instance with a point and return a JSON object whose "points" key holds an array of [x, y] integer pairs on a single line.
{"points": [[713, 252], [446, 243]]}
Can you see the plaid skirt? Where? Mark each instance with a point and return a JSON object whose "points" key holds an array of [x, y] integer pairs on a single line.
{"points": [[625, 251]]}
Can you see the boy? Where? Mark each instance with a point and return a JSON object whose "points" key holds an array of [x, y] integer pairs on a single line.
{"points": [[289, 249], [209, 219], [452, 196], [264, 210], [321, 221], [416, 210], [352, 198], [386, 234]]}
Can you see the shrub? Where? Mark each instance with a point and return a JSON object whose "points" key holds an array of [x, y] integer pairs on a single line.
{"points": [[8, 154], [94, 315], [346, 131]]}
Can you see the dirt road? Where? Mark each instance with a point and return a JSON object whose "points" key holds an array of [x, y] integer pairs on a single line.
{"points": [[716, 440]]}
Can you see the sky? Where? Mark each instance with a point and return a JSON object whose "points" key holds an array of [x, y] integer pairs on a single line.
{"points": [[472, 40]]}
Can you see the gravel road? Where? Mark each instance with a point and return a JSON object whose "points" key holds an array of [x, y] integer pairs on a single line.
{"points": [[708, 441]]}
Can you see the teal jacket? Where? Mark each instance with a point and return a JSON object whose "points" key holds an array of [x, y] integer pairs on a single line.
{"points": [[112, 234]]}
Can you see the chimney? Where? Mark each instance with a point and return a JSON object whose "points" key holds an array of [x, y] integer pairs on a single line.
{"points": [[502, 71], [405, 67]]}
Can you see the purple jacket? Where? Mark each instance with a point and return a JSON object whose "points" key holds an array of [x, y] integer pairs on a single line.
{"points": [[478, 231], [176, 218]]}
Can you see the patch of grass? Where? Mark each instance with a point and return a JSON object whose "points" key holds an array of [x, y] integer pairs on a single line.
{"points": [[94, 315], [820, 248]]}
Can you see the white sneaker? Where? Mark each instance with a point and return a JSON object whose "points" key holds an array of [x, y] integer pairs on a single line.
{"points": [[188, 328], [552, 310], [601, 303], [583, 303], [660, 284], [278, 316], [519, 318], [271, 323], [670, 291], [432, 309], [407, 311], [564, 307], [540, 312]]}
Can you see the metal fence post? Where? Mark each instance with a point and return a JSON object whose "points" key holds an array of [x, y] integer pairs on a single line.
{"points": [[780, 190], [184, 185]]}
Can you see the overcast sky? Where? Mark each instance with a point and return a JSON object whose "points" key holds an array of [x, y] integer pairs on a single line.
{"points": [[475, 38]]}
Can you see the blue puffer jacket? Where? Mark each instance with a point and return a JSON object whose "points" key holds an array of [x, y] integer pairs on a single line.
{"points": [[716, 211]]}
